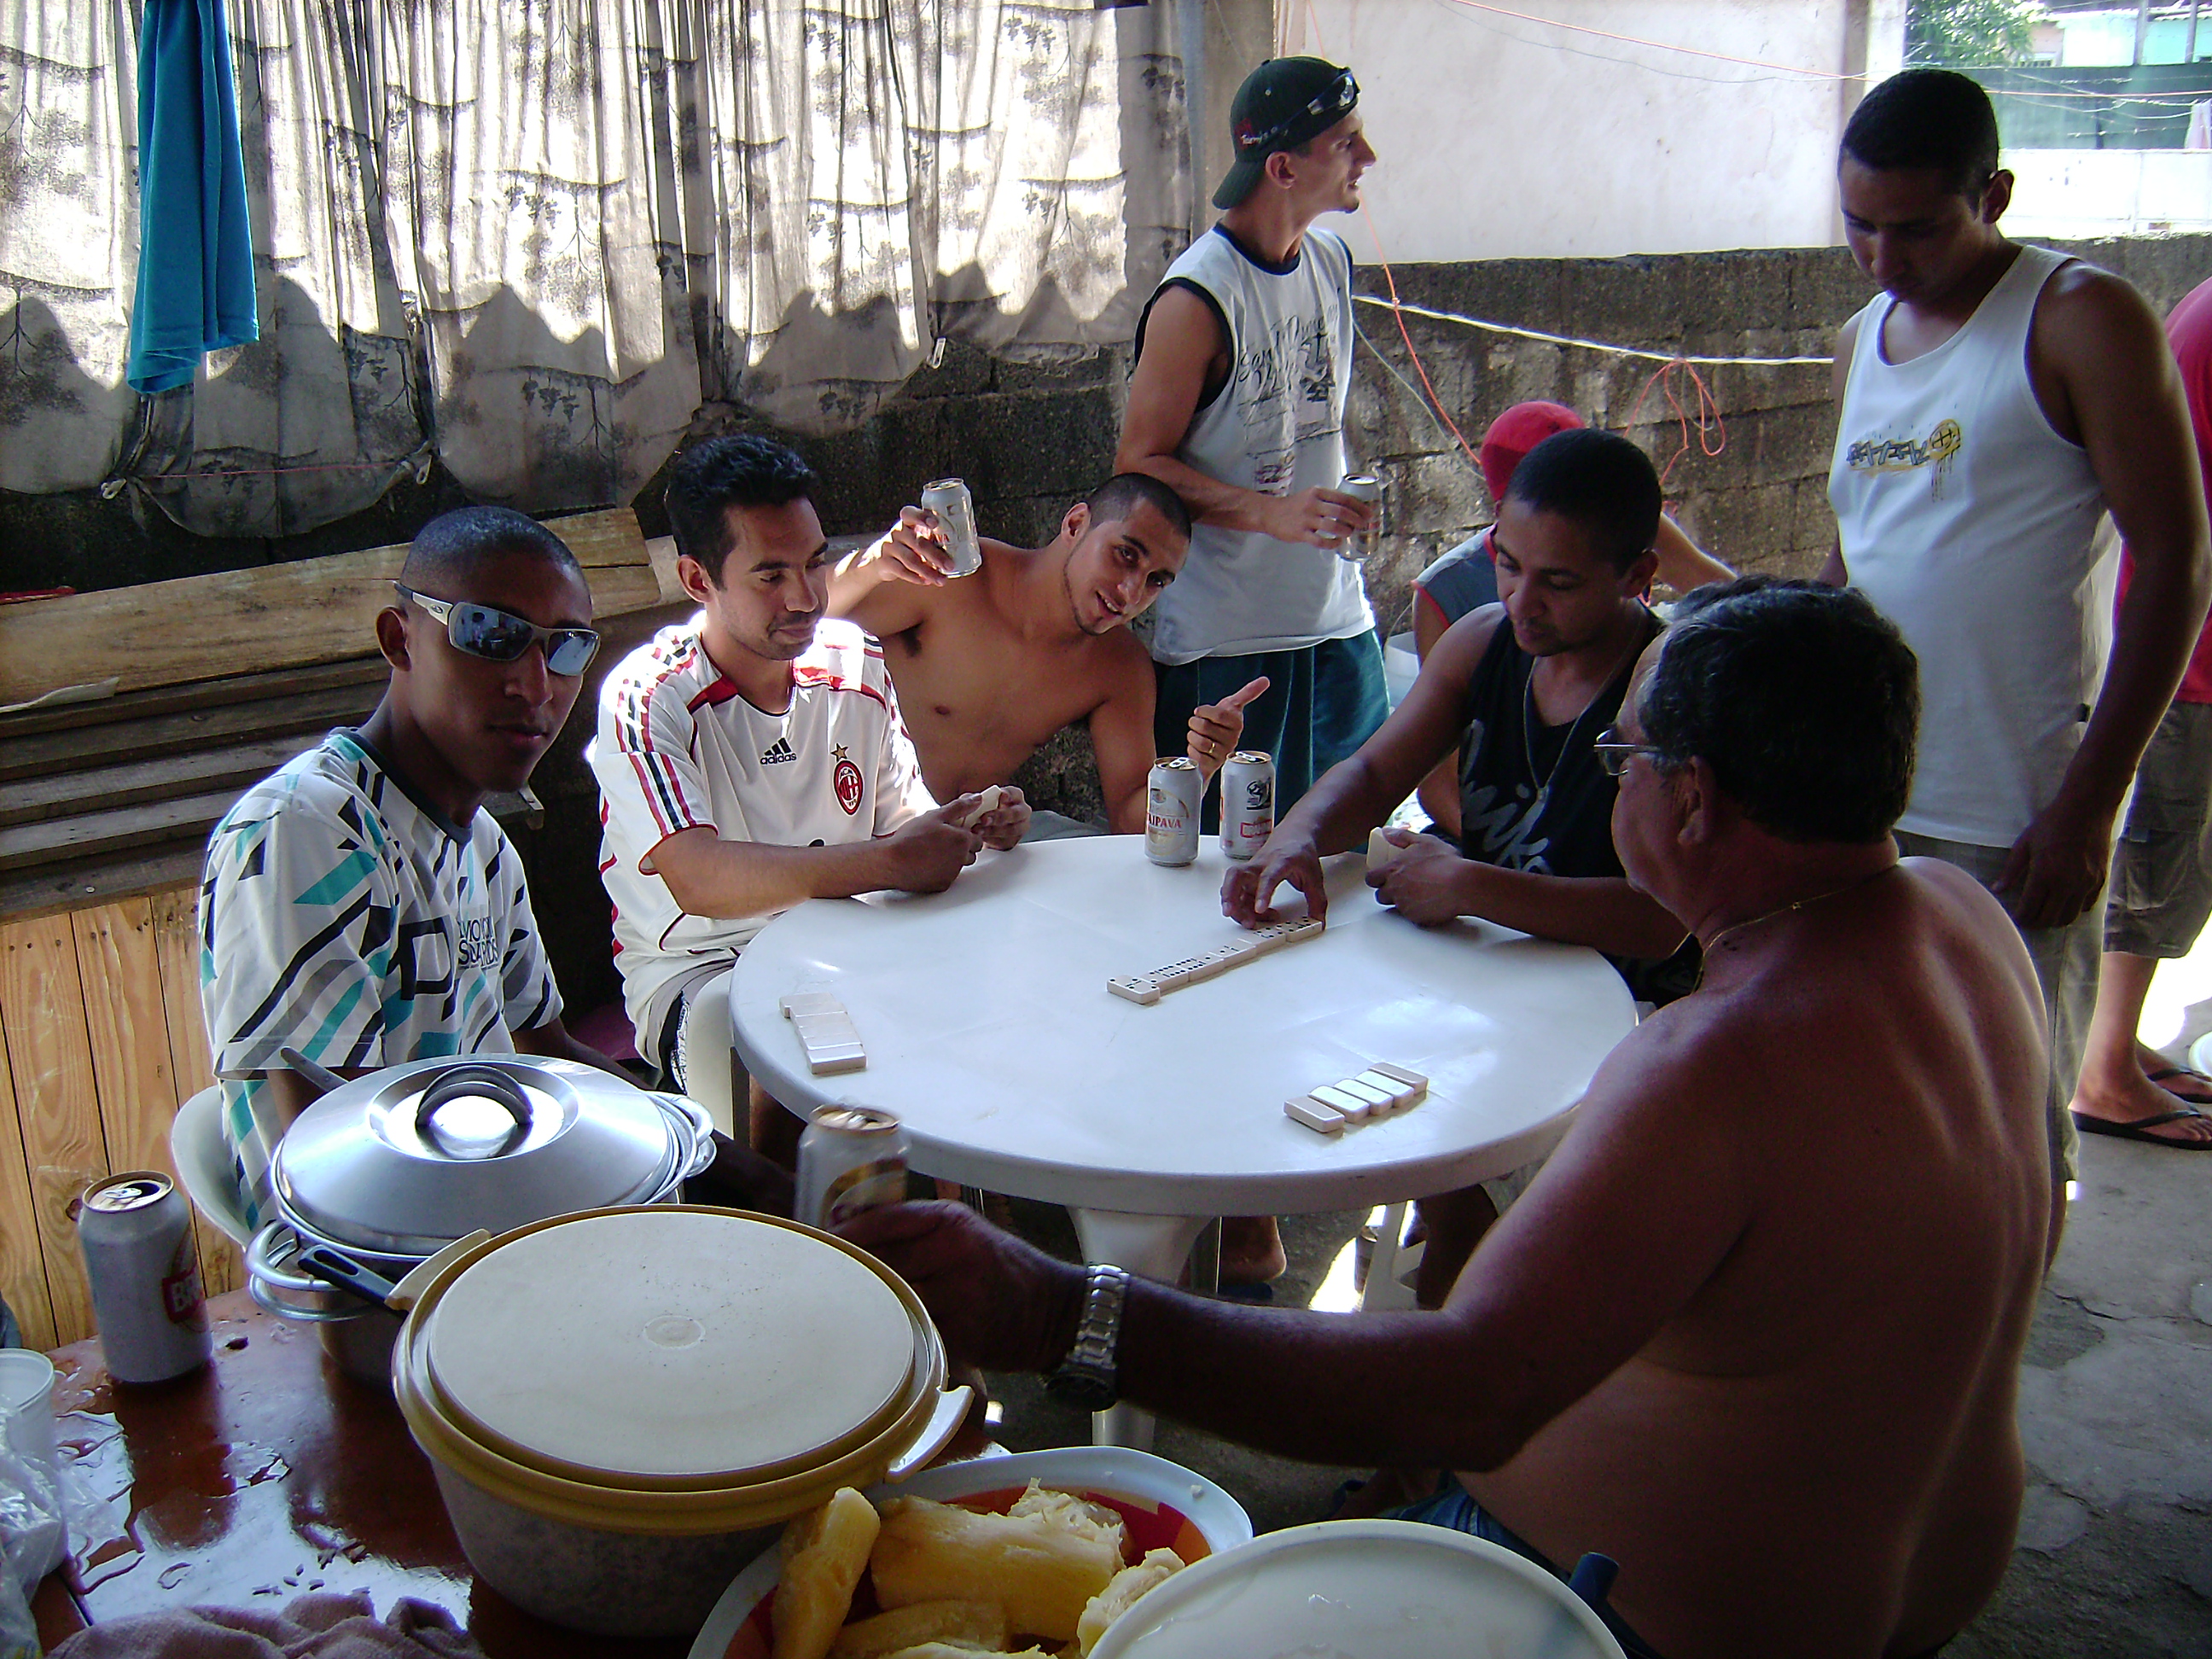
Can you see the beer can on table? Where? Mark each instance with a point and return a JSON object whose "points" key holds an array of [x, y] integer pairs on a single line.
{"points": [[1361, 487], [851, 1159], [1173, 795], [1247, 803], [136, 1232], [955, 508]]}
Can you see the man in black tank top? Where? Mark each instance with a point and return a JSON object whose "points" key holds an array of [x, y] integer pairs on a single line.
{"points": [[1523, 689]]}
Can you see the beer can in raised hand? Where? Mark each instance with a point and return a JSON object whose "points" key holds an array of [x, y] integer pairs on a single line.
{"points": [[955, 508], [851, 1159], [136, 1234], [1173, 795], [1247, 803]]}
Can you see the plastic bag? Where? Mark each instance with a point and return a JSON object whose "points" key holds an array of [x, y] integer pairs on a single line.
{"points": [[33, 1528], [19, 1632]]}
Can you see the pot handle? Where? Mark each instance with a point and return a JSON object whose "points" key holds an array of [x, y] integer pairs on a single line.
{"points": [[701, 1126], [944, 1422], [479, 1083], [261, 1260], [270, 1280]]}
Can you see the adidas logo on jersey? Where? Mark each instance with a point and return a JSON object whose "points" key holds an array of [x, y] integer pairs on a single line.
{"points": [[777, 752]]}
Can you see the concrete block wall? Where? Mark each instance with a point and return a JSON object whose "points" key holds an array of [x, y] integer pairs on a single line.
{"points": [[1761, 503]]}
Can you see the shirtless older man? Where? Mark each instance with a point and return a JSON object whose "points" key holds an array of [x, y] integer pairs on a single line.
{"points": [[1786, 1408], [988, 666]]}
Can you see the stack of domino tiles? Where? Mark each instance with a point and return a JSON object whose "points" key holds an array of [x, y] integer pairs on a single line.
{"points": [[1376, 1092], [826, 1032]]}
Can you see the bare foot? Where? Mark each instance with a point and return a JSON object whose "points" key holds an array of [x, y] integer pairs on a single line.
{"points": [[1251, 1250], [2131, 1099]]}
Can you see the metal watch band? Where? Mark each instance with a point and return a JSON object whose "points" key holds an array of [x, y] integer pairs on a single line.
{"points": [[1087, 1376]]}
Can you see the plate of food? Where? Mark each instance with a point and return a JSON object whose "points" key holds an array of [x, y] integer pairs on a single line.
{"points": [[1030, 1554]]}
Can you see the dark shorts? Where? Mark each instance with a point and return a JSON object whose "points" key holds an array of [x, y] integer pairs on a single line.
{"points": [[2162, 893], [1454, 1507], [1322, 701]]}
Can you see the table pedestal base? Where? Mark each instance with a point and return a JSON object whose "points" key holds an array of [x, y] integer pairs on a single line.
{"points": [[1153, 1247]]}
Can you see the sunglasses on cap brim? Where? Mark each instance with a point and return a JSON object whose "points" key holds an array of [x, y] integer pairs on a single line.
{"points": [[479, 630], [1335, 102]]}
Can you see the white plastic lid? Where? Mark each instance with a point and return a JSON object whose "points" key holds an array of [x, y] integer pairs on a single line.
{"points": [[676, 1345], [26, 1379], [1363, 1589]]}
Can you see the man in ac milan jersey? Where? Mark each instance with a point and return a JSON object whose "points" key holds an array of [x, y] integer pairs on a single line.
{"points": [[749, 759]]}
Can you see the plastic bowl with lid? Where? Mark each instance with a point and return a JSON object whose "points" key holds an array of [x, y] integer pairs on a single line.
{"points": [[623, 1408], [389, 1169], [1163, 1504], [1367, 1589]]}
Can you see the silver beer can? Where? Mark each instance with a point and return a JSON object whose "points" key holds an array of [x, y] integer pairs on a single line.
{"points": [[1361, 487], [1173, 796], [851, 1159], [955, 508], [1247, 803], [136, 1232]]}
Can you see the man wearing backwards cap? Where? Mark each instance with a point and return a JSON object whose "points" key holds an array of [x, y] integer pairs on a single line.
{"points": [[1243, 356]]}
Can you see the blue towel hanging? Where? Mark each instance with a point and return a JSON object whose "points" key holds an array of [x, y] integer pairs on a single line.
{"points": [[195, 250]]}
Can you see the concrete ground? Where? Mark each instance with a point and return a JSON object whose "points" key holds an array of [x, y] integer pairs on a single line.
{"points": [[2114, 1560]]}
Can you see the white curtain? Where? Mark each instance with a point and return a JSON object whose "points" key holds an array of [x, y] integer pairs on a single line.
{"points": [[533, 237]]}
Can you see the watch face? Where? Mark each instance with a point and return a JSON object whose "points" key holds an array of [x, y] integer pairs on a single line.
{"points": [[1084, 1389]]}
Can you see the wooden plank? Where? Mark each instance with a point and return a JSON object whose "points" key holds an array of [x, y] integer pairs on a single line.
{"points": [[199, 627], [22, 1265], [49, 1061], [81, 882], [103, 788], [370, 670], [607, 537], [182, 733], [157, 823], [177, 947]]}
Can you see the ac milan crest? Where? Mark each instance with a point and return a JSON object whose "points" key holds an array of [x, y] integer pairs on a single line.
{"points": [[845, 780]]}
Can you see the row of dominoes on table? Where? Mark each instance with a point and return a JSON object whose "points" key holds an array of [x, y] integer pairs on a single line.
{"points": [[1378, 1091], [1148, 987], [826, 1032]]}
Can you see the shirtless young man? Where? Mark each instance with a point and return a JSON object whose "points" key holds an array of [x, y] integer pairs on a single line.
{"points": [[1786, 1409], [990, 666], [1992, 403]]}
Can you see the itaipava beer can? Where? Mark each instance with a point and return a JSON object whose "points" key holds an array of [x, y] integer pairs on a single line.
{"points": [[955, 508], [1173, 794], [851, 1159], [1247, 803], [136, 1232]]}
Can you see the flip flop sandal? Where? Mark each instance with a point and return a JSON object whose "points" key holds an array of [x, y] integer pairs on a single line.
{"points": [[2159, 1077], [2138, 1128]]}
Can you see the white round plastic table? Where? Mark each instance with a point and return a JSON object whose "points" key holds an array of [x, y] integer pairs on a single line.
{"points": [[990, 1032]]}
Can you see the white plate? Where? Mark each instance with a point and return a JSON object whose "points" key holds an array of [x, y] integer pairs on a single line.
{"points": [[1088, 1471], [1362, 1589]]}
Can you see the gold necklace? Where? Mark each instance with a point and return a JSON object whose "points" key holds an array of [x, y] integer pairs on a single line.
{"points": [[1705, 956]]}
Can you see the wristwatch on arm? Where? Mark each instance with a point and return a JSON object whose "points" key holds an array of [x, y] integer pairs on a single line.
{"points": [[1088, 1376]]}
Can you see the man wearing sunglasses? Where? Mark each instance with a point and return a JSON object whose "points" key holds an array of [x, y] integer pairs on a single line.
{"points": [[1243, 360], [358, 908]]}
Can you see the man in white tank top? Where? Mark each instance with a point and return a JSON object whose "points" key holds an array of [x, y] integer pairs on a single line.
{"points": [[1993, 402]]}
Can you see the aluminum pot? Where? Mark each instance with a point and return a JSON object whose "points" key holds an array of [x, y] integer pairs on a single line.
{"points": [[391, 1168]]}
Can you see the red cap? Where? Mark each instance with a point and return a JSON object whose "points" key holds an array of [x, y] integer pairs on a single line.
{"points": [[1513, 434]]}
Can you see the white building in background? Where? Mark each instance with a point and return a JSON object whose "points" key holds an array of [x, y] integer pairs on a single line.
{"points": [[1615, 126]]}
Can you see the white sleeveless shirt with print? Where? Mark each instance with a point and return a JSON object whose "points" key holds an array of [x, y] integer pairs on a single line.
{"points": [[1276, 426], [1971, 524]]}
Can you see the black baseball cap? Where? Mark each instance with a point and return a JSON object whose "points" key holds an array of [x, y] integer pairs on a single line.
{"points": [[1282, 104]]}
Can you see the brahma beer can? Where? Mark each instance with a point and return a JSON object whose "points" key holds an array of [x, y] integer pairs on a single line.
{"points": [[136, 1234], [955, 508], [1361, 487], [1173, 794], [1247, 803], [851, 1159]]}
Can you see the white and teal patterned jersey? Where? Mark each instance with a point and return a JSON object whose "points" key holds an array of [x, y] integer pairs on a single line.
{"points": [[344, 917]]}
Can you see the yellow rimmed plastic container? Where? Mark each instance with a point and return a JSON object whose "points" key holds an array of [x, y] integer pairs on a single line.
{"points": [[624, 1407]]}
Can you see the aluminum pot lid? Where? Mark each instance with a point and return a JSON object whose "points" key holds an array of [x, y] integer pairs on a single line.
{"points": [[410, 1158], [677, 1346]]}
